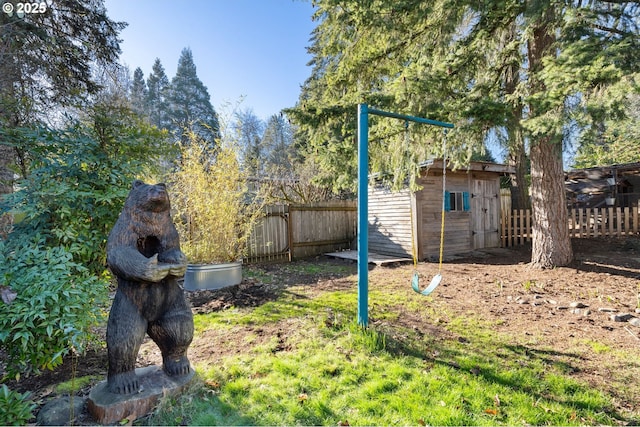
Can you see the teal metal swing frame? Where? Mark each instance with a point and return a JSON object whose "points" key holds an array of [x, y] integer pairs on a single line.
{"points": [[363, 199]]}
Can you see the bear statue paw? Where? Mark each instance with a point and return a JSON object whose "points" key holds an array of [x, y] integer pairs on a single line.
{"points": [[176, 366], [124, 383]]}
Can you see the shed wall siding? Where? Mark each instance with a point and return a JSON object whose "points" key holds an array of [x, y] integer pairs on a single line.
{"points": [[390, 215], [389, 221], [457, 231]]}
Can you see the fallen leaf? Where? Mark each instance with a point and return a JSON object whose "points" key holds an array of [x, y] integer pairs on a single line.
{"points": [[344, 423], [212, 384], [302, 397], [421, 422], [491, 411]]}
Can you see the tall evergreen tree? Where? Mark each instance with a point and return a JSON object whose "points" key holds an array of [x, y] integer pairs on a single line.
{"points": [[45, 61], [157, 88], [526, 69], [249, 130], [139, 93], [277, 143], [189, 104], [615, 140]]}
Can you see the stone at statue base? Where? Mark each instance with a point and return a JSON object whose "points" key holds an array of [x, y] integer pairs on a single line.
{"points": [[110, 408]]}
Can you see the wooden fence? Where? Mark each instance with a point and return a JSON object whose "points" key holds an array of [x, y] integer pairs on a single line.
{"points": [[296, 231], [587, 222]]}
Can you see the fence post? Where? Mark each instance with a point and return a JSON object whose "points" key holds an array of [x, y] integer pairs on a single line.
{"points": [[625, 214], [619, 221], [610, 221]]}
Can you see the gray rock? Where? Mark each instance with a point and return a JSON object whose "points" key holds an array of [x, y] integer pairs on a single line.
{"points": [[60, 411], [635, 322], [581, 311], [624, 317], [576, 304], [538, 300], [607, 309]]}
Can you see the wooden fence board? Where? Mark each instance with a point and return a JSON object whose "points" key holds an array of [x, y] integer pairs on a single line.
{"points": [[295, 231], [515, 226]]}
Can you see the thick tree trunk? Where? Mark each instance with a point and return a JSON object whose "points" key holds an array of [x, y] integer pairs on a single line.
{"points": [[550, 234], [551, 241]]}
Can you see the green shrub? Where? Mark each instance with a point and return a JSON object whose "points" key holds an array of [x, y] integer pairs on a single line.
{"points": [[58, 302], [75, 181], [17, 409], [75, 187]]}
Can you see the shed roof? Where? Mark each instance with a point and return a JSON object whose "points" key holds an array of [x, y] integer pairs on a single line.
{"points": [[472, 166]]}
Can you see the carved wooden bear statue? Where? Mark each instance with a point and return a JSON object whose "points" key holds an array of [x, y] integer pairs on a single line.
{"points": [[143, 251]]}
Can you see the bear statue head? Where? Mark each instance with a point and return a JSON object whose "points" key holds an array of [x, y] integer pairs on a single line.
{"points": [[148, 197]]}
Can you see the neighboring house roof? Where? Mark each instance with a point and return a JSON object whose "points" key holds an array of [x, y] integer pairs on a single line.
{"points": [[599, 171], [601, 178], [589, 186]]}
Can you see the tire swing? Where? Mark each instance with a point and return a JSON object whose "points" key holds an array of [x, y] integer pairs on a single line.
{"points": [[435, 281]]}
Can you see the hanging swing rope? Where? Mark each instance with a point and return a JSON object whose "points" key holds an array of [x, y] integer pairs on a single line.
{"points": [[415, 281]]}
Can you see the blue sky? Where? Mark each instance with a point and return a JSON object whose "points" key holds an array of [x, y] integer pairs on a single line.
{"points": [[254, 49]]}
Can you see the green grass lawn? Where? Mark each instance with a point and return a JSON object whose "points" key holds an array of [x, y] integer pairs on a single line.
{"points": [[323, 369]]}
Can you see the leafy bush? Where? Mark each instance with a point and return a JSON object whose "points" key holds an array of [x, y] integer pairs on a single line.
{"points": [[17, 409], [58, 301], [77, 182], [74, 185]]}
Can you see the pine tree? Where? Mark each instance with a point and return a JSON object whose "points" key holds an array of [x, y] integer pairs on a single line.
{"points": [[189, 105], [139, 93], [249, 130], [523, 69], [277, 143], [615, 139], [157, 87], [47, 62]]}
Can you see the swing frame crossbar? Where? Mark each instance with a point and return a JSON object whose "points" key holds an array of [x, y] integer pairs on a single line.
{"points": [[363, 198]]}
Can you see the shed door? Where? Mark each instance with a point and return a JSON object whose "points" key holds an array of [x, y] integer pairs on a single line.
{"points": [[485, 208]]}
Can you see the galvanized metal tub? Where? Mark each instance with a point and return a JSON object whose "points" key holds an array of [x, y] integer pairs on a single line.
{"points": [[212, 276]]}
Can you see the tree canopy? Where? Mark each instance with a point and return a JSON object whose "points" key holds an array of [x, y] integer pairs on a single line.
{"points": [[525, 70], [188, 102], [46, 61], [47, 57]]}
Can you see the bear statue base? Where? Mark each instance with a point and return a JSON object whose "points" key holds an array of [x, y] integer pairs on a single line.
{"points": [[111, 408]]}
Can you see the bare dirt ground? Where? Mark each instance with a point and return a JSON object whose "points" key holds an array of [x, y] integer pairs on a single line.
{"points": [[534, 306]]}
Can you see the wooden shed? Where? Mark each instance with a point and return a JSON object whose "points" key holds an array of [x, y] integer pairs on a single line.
{"points": [[472, 212]]}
